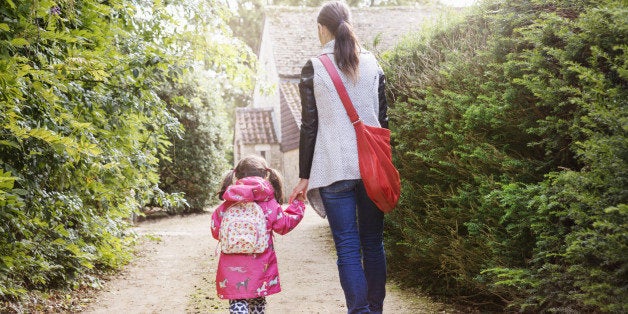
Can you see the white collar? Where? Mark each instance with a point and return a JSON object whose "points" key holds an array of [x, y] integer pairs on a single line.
{"points": [[328, 47]]}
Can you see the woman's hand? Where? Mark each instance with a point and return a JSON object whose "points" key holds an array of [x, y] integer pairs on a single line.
{"points": [[299, 191]]}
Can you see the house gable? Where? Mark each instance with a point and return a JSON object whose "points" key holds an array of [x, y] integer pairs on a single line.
{"points": [[289, 39]]}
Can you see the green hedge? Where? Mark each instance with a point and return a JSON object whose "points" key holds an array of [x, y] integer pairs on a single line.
{"points": [[510, 135], [83, 126]]}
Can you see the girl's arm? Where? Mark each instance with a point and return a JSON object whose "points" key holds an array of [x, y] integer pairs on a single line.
{"points": [[216, 220], [289, 218]]}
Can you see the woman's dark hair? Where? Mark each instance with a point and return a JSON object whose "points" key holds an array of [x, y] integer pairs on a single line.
{"points": [[337, 18], [255, 166]]}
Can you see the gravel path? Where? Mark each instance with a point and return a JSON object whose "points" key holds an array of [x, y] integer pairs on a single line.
{"points": [[174, 273]]}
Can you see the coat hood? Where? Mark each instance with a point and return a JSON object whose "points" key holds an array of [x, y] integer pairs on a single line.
{"points": [[249, 189]]}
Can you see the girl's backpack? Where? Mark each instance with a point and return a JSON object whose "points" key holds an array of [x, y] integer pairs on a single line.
{"points": [[243, 229]]}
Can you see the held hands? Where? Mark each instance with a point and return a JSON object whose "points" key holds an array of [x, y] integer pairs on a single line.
{"points": [[298, 192]]}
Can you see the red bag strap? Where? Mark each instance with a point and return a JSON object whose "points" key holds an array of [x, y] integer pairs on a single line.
{"points": [[340, 88]]}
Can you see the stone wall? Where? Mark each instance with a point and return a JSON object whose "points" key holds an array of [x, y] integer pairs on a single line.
{"points": [[270, 152]]}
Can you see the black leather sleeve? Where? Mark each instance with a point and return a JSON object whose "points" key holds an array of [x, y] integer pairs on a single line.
{"points": [[309, 120], [383, 103]]}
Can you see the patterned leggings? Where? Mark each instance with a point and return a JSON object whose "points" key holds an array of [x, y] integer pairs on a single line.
{"points": [[247, 306]]}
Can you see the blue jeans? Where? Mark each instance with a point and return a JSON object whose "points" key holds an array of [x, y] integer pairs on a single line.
{"points": [[357, 226]]}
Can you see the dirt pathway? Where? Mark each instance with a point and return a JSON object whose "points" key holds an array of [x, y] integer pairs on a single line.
{"points": [[174, 273]]}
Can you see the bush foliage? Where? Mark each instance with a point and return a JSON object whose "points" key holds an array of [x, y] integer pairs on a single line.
{"points": [[199, 157], [85, 125], [202, 102], [510, 134]]}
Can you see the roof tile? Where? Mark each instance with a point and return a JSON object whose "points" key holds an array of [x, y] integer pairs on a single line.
{"points": [[290, 115], [255, 126]]}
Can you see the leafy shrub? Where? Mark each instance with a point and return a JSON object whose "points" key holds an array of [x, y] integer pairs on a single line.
{"points": [[83, 127], [199, 157], [74, 143], [510, 134], [202, 102]]}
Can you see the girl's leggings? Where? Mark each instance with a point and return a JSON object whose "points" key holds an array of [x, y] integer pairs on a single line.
{"points": [[247, 306]]}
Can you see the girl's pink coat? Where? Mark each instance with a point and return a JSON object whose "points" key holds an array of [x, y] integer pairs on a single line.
{"points": [[246, 276]]}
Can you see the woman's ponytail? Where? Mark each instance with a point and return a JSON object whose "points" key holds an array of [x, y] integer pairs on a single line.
{"points": [[336, 17], [346, 51]]}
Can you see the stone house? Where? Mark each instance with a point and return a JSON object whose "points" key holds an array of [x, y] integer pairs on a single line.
{"points": [[270, 125]]}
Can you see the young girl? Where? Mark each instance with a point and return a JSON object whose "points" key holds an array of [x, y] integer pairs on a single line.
{"points": [[245, 279]]}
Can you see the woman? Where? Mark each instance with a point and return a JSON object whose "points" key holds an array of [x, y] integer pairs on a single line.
{"points": [[328, 157]]}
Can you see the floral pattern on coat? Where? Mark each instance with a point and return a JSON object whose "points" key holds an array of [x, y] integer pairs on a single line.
{"points": [[246, 276]]}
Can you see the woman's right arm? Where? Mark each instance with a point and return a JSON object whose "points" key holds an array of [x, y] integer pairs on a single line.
{"points": [[309, 120], [309, 128]]}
